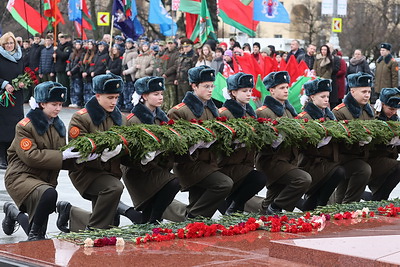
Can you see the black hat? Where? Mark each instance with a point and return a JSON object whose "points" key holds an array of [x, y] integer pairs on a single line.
{"points": [[317, 86], [102, 43], [107, 84], [276, 78], [149, 84], [130, 40], [119, 38], [359, 79], [49, 92], [387, 46], [201, 74], [186, 42], [390, 97], [240, 80]]}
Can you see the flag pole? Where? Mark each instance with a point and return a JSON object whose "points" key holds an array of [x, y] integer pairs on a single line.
{"points": [[41, 21], [26, 20], [111, 30]]}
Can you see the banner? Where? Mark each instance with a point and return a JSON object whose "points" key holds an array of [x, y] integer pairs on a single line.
{"points": [[159, 15], [270, 11]]}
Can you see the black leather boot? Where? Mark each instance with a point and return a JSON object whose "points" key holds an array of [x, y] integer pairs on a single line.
{"points": [[10, 218], [37, 232], [3, 156], [63, 210]]}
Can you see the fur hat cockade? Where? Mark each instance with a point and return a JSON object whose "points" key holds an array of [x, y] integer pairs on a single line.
{"points": [[276, 78], [50, 92], [240, 80], [317, 86], [390, 97], [387, 46], [107, 84], [147, 85], [359, 79], [201, 74]]}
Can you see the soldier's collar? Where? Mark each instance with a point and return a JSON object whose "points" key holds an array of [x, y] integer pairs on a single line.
{"points": [[98, 114], [278, 108], [197, 106], [237, 109], [41, 123], [355, 108], [146, 116]]}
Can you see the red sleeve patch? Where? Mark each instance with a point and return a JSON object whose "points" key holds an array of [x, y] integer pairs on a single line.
{"points": [[24, 121], [82, 111], [179, 106], [25, 144], [74, 132], [302, 114], [130, 116], [339, 106]]}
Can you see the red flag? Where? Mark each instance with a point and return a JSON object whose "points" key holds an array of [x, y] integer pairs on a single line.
{"points": [[282, 65], [191, 20], [27, 16], [292, 68], [268, 65], [52, 12], [302, 68]]}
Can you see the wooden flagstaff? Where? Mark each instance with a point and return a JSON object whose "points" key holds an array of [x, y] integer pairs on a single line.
{"points": [[111, 30]]}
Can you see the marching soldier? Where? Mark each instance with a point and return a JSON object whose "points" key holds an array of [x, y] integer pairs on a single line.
{"points": [[286, 183], [240, 164], [200, 175], [353, 157], [321, 162]]}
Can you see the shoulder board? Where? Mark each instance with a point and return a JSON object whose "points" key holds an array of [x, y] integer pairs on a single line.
{"points": [[130, 116], [179, 106], [302, 114], [339, 106], [262, 108], [82, 111], [220, 110], [24, 121]]}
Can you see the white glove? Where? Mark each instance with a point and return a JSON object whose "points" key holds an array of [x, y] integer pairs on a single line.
{"points": [[149, 157], [32, 103], [91, 157], [378, 105], [206, 145], [277, 142], [395, 141], [324, 141], [107, 154], [68, 154], [366, 142]]}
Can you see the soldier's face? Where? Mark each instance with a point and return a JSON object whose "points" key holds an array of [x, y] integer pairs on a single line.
{"points": [[384, 52], [107, 101], [361, 94], [242, 95], [321, 99], [51, 109], [203, 90], [154, 99], [280, 92], [389, 111]]}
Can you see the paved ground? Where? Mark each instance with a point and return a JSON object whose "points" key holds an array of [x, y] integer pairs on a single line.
{"points": [[66, 191]]}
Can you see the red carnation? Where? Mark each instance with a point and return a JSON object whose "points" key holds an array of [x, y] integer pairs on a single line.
{"points": [[171, 122], [275, 122], [346, 121], [322, 120], [305, 120], [193, 120]]}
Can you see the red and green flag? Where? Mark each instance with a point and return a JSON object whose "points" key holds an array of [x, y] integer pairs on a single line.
{"points": [[295, 92], [27, 16], [190, 6], [238, 15], [52, 12], [204, 28]]}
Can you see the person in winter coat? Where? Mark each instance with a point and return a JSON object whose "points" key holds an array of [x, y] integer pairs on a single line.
{"points": [[341, 77], [100, 60], [87, 61], [128, 62], [73, 69], [35, 160], [200, 174], [34, 54], [46, 63], [115, 62], [144, 62], [247, 182], [150, 183], [218, 59], [323, 64], [358, 63], [168, 72], [206, 56], [387, 70], [11, 65], [60, 56]]}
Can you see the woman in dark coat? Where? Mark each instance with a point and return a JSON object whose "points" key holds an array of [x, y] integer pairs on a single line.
{"points": [[11, 65], [151, 185], [35, 160], [115, 62]]}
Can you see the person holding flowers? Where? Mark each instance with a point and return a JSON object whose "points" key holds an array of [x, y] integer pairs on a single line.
{"points": [[98, 179], [35, 160], [353, 157], [11, 97], [247, 182], [383, 158], [150, 184], [321, 162], [286, 182], [199, 172]]}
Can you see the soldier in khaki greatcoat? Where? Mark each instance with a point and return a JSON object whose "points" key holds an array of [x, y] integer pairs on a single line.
{"points": [[286, 183], [321, 162], [387, 70], [35, 161], [383, 158], [200, 175], [353, 157], [240, 164], [98, 179]]}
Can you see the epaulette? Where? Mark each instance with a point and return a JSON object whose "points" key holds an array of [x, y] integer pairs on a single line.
{"points": [[82, 111], [220, 110], [130, 116], [179, 106], [339, 106], [302, 114], [24, 121], [262, 108]]}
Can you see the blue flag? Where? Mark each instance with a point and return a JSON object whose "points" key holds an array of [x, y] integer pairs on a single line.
{"points": [[270, 11], [74, 10], [158, 15], [124, 21], [138, 26]]}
